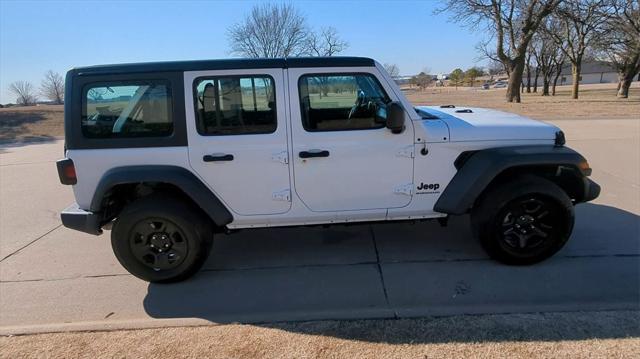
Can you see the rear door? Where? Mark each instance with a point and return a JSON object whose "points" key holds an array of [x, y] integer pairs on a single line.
{"points": [[238, 137]]}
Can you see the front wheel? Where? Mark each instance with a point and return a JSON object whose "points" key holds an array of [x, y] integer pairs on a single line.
{"points": [[524, 221], [161, 239]]}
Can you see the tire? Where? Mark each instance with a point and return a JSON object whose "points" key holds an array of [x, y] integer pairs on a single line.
{"points": [[524, 221], [161, 239]]}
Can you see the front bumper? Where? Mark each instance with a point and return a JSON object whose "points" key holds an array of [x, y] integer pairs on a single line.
{"points": [[591, 190], [75, 218]]}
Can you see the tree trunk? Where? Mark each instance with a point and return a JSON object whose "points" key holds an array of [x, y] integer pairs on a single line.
{"points": [[535, 80], [619, 83], [575, 71], [545, 84], [627, 75], [555, 80], [515, 79], [624, 87]]}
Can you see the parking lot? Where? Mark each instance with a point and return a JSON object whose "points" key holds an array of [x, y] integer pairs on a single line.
{"points": [[52, 278]]}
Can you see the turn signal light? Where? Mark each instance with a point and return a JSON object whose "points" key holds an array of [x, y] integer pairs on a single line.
{"points": [[584, 167], [67, 171]]}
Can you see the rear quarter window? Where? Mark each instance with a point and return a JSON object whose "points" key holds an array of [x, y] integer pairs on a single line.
{"points": [[127, 109]]}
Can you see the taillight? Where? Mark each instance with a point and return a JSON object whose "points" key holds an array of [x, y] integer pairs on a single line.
{"points": [[67, 171]]}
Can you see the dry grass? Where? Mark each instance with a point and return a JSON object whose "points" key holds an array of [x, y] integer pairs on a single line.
{"points": [[31, 123], [571, 335], [596, 101]]}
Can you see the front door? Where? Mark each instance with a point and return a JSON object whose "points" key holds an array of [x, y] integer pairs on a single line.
{"points": [[238, 137], [344, 157]]}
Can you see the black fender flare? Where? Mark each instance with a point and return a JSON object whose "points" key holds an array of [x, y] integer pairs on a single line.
{"points": [[477, 169], [180, 177]]}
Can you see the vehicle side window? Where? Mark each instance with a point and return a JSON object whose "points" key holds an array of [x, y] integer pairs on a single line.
{"points": [[235, 105], [119, 110], [341, 102]]}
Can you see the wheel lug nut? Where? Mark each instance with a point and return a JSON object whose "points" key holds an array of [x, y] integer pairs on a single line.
{"points": [[166, 246], [152, 246], [160, 250]]}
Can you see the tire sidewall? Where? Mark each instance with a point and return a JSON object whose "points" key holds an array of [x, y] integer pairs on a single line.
{"points": [[190, 222], [485, 217]]}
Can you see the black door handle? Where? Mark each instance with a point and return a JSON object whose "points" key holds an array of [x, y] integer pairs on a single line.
{"points": [[313, 153], [217, 158]]}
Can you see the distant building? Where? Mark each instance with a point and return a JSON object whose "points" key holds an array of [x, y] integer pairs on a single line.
{"points": [[43, 102], [402, 80], [592, 72]]}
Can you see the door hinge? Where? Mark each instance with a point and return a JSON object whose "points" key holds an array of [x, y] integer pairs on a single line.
{"points": [[406, 189], [284, 195], [282, 157], [406, 152]]}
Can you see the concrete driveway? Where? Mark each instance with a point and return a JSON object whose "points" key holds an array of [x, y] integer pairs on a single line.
{"points": [[52, 278]]}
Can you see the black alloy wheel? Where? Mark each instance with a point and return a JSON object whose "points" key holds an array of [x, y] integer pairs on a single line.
{"points": [[158, 243], [529, 223]]}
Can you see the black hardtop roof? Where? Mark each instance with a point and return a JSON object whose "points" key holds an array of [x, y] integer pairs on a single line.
{"points": [[228, 64]]}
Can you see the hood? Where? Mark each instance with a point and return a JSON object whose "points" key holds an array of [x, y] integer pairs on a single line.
{"points": [[481, 124]]}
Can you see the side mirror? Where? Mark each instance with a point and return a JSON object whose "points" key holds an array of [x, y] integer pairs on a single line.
{"points": [[395, 117]]}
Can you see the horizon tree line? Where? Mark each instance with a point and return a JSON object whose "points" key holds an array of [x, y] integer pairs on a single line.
{"points": [[51, 88]]}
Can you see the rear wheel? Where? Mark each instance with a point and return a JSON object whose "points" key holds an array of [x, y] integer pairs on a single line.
{"points": [[524, 221], [161, 239]]}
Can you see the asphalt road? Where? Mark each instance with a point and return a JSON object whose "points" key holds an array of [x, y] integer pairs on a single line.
{"points": [[52, 278]]}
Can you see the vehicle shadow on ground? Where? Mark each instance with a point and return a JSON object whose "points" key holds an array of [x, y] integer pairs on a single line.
{"points": [[307, 274]]}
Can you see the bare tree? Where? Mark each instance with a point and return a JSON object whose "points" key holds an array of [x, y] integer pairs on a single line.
{"points": [[582, 25], [325, 43], [392, 69], [554, 49], [422, 80], [534, 58], [24, 91], [548, 57], [538, 58], [527, 66], [558, 65], [270, 30], [96, 94], [513, 23], [621, 46], [52, 87], [495, 68]]}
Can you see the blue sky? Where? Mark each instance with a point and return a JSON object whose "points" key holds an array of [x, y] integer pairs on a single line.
{"points": [[36, 36]]}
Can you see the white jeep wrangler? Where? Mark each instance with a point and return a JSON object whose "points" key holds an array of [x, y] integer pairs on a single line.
{"points": [[167, 154]]}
